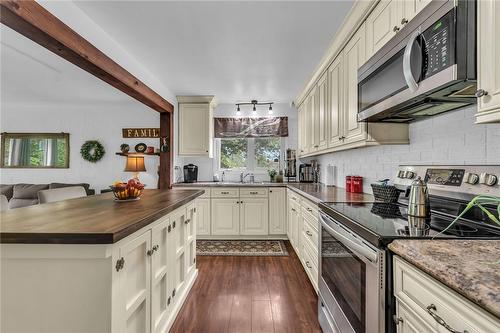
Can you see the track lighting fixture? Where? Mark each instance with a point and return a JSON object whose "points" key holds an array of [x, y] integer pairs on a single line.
{"points": [[254, 104]]}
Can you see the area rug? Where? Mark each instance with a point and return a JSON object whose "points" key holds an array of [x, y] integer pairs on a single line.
{"points": [[241, 248]]}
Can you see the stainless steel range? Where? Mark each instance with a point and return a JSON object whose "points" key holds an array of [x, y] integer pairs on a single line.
{"points": [[355, 286]]}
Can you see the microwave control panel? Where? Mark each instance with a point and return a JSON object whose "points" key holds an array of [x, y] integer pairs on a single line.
{"points": [[438, 45]]}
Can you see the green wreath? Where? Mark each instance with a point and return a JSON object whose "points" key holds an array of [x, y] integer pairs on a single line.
{"points": [[92, 151]]}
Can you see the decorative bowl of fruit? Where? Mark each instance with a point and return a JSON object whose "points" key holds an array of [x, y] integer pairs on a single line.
{"points": [[129, 191]]}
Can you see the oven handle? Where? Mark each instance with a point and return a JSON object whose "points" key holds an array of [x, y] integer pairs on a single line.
{"points": [[410, 80], [365, 251]]}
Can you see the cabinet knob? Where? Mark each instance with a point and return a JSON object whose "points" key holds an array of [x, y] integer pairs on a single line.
{"points": [[488, 179], [404, 21], [395, 29], [397, 320], [156, 247], [308, 264], [309, 233], [187, 221], [481, 93]]}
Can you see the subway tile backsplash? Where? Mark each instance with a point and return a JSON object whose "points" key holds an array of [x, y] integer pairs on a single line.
{"points": [[451, 138]]}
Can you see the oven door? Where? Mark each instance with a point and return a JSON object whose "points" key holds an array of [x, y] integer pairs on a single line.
{"points": [[351, 284]]}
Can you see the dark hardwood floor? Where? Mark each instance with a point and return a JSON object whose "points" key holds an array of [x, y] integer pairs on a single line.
{"points": [[250, 294]]}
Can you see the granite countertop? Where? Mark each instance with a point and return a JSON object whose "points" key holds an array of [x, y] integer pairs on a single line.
{"points": [[96, 219], [470, 267], [314, 192]]}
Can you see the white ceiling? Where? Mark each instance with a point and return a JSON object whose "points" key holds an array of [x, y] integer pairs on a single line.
{"points": [[235, 50], [31, 74]]}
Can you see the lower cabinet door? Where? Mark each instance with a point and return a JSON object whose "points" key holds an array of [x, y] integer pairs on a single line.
{"points": [[135, 277], [408, 322], [294, 226], [203, 216], [225, 216], [177, 248], [277, 211], [190, 241], [160, 298], [254, 218]]}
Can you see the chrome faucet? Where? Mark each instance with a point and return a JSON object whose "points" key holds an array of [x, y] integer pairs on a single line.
{"points": [[243, 176]]}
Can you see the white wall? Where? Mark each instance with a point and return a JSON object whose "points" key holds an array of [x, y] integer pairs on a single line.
{"points": [[451, 138], [83, 122], [207, 166]]}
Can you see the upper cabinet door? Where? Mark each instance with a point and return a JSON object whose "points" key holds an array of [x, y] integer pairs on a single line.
{"points": [[309, 129], [195, 129], [382, 25], [321, 125], [354, 57], [336, 102], [301, 126], [488, 50]]}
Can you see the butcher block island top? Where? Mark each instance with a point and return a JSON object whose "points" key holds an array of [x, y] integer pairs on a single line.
{"points": [[97, 219]]}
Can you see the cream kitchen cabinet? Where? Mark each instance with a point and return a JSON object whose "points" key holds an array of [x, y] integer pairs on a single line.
{"points": [[203, 216], [320, 115], [382, 24], [423, 304], [136, 281], [354, 56], [196, 125], [387, 19], [335, 110], [254, 218], [488, 52], [160, 277], [225, 213], [277, 211], [190, 238], [302, 130], [293, 221]]}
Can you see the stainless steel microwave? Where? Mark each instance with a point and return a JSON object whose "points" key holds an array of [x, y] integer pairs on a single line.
{"points": [[427, 68]]}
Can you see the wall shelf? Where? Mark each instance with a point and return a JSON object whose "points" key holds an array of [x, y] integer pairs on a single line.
{"points": [[137, 154]]}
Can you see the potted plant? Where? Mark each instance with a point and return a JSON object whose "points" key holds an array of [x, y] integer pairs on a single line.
{"points": [[272, 174]]}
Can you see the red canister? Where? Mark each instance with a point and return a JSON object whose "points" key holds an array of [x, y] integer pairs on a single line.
{"points": [[357, 184], [348, 183]]}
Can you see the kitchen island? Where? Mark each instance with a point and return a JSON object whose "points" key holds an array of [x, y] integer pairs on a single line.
{"points": [[96, 265]]}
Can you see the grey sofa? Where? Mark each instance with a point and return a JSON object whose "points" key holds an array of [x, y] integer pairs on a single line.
{"points": [[22, 195]]}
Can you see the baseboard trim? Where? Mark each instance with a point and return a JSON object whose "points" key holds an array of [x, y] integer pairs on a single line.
{"points": [[241, 237]]}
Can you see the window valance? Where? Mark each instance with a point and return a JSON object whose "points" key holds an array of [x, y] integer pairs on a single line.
{"points": [[250, 127]]}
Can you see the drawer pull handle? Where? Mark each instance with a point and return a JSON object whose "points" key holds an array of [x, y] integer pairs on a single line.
{"points": [[309, 209], [224, 192], [293, 210], [309, 233], [254, 192], [187, 221], [430, 309], [308, 264], [397, 320]]}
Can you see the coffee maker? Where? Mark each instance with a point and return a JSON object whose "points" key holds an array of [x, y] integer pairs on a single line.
{"points": [[190, 173], [306, 173]]}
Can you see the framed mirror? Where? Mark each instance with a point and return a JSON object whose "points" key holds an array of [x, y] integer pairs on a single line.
{"points": [[35, 150]]}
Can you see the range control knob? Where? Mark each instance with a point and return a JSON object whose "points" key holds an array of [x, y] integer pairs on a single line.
{"points": [[405, 174], [488, 179], [471, 178]]}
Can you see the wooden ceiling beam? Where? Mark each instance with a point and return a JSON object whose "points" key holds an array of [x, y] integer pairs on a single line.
{"points": [[38, 24]]}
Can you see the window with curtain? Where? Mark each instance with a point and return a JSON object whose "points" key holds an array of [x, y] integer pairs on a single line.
{"points": [[250, 143]]}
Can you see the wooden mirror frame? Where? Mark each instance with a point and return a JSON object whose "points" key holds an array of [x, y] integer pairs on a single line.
{"points": [[64, 136]]}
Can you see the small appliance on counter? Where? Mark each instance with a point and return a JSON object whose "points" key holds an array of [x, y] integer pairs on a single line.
{"points": [[291, 165], [315, 170], [306, 174], [354, 184], [190, 173]]}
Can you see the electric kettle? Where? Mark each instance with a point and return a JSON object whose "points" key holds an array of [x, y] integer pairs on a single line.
{"points": [[418, 203]]}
